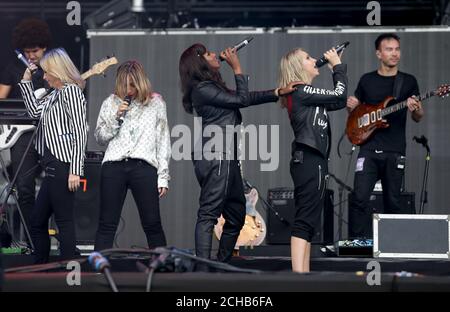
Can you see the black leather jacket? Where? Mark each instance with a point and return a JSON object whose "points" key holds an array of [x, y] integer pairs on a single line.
{"points": [[308, 108], [219, 107]]}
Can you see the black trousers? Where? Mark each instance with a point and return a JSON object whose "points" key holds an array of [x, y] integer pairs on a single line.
{"points": [[309, 171], [26, 179], [222, 192], [370, 168], [54, 198], [116, 178]]}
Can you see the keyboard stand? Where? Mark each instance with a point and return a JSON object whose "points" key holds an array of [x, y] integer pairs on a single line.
{"points": [[9, 189]]}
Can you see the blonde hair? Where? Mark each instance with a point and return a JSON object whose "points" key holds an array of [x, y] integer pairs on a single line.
{"points": [[291, 69], [57, 63], [135, 72]]}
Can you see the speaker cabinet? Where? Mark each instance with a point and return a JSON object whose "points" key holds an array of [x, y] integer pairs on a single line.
{"points": [[279, 226], [376, 205], [87, 204]]}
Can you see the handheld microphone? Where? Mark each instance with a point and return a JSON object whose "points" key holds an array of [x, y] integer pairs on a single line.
{"points": [[101, 264], [42, 93], [322, 61], [24, 60], [239, 46], [122, 117]]}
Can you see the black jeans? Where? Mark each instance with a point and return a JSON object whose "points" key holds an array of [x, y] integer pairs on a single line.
{"points": [[370, 168], [54, 198], [222, 192], [309, 171], [116, 178], [26, 179]]}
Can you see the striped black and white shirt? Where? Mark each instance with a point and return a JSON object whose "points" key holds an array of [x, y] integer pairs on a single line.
{"points": [[63, 127]]}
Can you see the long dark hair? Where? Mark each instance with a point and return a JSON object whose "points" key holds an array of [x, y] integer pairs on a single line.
{"points": [[194, 68]]}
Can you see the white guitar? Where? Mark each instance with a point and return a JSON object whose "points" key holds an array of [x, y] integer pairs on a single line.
{"points": [[9, 134]]}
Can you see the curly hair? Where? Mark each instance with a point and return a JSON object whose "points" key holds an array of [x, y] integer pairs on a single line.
{"points": [[31, 33]]}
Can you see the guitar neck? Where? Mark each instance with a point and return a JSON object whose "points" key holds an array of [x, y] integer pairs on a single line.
{"points": [[394, 108], [87, 74]]}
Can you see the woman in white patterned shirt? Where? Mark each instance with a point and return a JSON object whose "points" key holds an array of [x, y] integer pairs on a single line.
{"points": [[133, 123], [60, 141]]}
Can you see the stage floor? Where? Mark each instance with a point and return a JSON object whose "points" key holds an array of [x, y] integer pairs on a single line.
{"points": [[328, 274]]}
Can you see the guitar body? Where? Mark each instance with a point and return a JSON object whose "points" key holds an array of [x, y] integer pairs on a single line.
{"points": [[253, 232], [364, 120], [9, 134]]}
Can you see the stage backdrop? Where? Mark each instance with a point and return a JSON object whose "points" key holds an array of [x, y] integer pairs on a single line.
{"points": [[424, 54]]}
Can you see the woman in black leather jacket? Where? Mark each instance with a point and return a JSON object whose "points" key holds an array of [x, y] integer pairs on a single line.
{"points": [[216, 166], [307, 108]]}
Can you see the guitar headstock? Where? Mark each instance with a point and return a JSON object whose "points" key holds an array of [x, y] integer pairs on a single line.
{"points": [[99, 68], [443, 90], [252, 196]]}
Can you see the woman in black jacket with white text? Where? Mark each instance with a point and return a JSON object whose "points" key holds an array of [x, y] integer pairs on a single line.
{"points": [[307, 108], [217, 168]]}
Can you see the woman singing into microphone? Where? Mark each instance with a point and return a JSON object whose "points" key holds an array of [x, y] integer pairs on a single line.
{"points": [[60, 141], [307, 108], [217, 169], [137, 156]]}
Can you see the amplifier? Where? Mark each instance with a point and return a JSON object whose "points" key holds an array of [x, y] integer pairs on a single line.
{"points": [[94, 156], [87, 199], [279, 226], [376, 205]]}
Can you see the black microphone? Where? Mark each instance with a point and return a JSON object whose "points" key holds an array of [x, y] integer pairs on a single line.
{"points": [[422, 140], [122, 117], [24, 60], [239, 46], [322, 61], [101, 264]]}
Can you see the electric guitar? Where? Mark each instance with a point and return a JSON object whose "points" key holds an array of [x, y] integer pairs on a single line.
{"points": [[365, 119], [9, 134], [253, 232]]}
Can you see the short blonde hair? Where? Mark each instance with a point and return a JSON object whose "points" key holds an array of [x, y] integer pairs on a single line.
{"points": [[291, 69], [57, 63], [135, 71]]}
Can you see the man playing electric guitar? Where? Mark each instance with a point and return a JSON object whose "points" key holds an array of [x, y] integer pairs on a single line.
{"points": [[382, 155], [32, 37]]}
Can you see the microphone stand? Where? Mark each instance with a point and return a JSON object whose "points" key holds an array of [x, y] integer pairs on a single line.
{"points": [[341, 188], [424, 193], [10, 187]]}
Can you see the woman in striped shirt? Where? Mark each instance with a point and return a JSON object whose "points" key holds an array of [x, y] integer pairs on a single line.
{"points": [[60, 141], [133, 123]]}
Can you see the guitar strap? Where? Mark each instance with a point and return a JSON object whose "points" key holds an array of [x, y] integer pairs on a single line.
{"points": [[398, 83]]}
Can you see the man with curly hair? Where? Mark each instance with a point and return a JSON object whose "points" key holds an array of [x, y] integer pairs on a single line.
{"points": [[32, 37]]}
